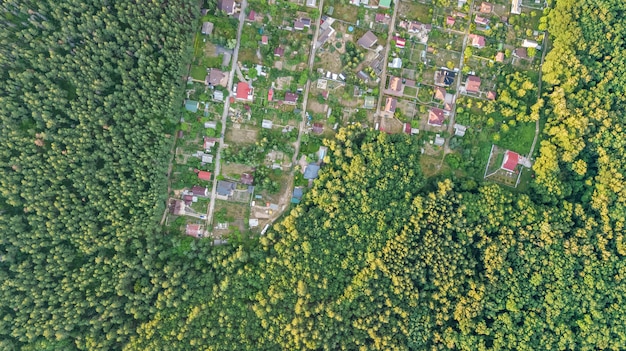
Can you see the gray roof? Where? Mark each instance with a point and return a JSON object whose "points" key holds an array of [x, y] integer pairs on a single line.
{"points": [[207, 28], [224, 188], [311, 171], [227, 6], [367, 40]]}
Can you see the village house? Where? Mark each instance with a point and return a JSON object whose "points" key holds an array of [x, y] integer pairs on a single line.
{"points": [[195, 230], [298, 25], [244, 92], [440, 93], [203, 175], [477, 41], [510, 161], [197, 190], [395, 63], [436, 117], [516, 7], [459, 130], [216, 78], [264, 40], [472, 84], [246, 178], [279, 52], [318, 128], [290, 98], [218, 95], [267, 124], [207, 28], [450, 21], [228, 6], [500, 57], [481, 20], [209, 143], [444, 77], [486, 7], [491, 95], [390, 106], [395, 86], [224, 189], [367, 40], [521, 53]]}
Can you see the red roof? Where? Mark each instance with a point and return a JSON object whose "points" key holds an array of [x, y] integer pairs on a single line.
{"points": [[243, 89], [510, 160], [264, 40], [252, 15], [491, 95], [380, 17], [436, 117], [407, 128], [450, 21], [291, 97], [194, 229], [270, 94], [204, 175], [473, 84], [279, 51]]}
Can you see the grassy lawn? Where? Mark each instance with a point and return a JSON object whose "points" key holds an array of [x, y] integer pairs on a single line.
{"points": [[198, 72], [425, 94], [518, 138], [416, 11], [410, 91], [346, 13]]}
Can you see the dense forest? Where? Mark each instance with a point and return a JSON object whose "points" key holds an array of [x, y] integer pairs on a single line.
{"points": [[374, 258]]}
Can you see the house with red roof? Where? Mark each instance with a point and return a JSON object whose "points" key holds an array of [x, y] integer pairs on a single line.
{"points": [[270, 95], [203, 175], [251, 16], [264, 40], [510, 161], [195, 230], [477, 41], [450, 21], [436, 117], [491, 95], [400, 42], [244, 92], [472, 84], [500, 57], [279, 52], [390, 106], [481, 20]]}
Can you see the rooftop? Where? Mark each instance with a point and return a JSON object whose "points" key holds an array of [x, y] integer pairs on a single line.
{"points": [[510, 161]]}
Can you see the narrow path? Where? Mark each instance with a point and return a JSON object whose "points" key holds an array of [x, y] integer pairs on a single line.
{"points": [[383, 74], [458, 76], [211, 207], [306, 91], [537, 123]]}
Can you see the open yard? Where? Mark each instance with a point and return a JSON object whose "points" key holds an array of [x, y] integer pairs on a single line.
{"points": [[413, 10], [242, 135], [233, 213]]}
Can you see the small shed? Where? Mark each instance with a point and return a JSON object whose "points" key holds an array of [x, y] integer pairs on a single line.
{"points": [[267, 124]]}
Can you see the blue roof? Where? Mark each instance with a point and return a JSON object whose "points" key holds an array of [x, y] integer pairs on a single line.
{"points": [[191, 105], [311, 171], [297, 193]]}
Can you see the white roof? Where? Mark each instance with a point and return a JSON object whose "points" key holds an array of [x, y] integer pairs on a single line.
{"points": [[253, 222], [267, 124], [396, 63]]}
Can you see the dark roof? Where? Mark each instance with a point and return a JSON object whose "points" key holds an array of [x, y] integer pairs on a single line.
{"points": [[199, 190], [298, 24], [318, 128], [247, 178], [367, 40], [227, 6], [224, 187], [214, 77], [521, 53], [444, 77], [311, 171], [279, 51], [207, 28], [306, 21], [291, 97]]}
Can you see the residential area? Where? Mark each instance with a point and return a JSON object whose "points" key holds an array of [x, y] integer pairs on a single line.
{"points": [[270, 80]]}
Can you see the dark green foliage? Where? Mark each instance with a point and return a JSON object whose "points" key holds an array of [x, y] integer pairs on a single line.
{"points": [[88, 88]]}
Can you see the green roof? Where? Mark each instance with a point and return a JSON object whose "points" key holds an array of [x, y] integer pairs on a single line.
{"points": [[191, 106], [384, 3]]}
